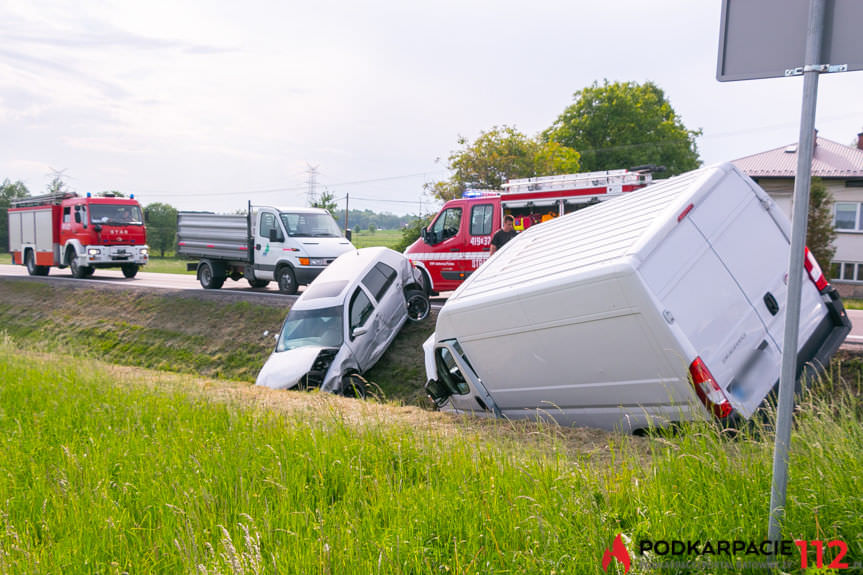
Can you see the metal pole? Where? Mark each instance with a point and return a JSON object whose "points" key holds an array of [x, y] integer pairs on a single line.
{"points": [[787, 377], [347, 205]]}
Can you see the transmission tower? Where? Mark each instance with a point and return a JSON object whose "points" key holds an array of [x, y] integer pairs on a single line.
{"points": [[312, 194]]}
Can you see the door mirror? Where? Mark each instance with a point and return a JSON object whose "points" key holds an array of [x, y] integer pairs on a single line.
{"points": [[77, 217], [358, 331], [348, 235], [274, 235]]}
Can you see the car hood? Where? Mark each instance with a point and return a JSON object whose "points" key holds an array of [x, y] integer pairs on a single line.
{"points": [[284, 370]]}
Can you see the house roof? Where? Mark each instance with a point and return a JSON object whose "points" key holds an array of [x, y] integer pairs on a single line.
{"points": [[831, 160]]}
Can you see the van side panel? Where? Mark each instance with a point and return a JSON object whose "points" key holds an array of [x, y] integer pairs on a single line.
{"points": [[597, 350]]}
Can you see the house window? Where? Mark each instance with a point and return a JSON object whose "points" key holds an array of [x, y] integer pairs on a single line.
{"points": [[846, 271], [847, 216]]}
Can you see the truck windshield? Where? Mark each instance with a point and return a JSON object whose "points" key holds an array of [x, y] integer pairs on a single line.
{"points": [[312, 327], [115, 214], [310, 225]]}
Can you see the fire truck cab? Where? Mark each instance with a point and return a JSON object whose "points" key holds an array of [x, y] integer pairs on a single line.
{"points": [[83, 233], [458, 240]]}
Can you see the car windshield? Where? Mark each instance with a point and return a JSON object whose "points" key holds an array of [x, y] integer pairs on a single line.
{"points": [[115, 214], [311, 327], [310, 225]]}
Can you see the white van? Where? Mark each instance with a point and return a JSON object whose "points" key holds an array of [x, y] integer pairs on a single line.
{"points": [[621, 314]]}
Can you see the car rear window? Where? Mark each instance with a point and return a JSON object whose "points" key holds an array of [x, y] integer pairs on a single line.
{"points": [[379, 279]]}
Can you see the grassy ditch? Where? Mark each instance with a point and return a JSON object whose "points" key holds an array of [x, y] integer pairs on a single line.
{"points": [[204, 334], [112, 470]]}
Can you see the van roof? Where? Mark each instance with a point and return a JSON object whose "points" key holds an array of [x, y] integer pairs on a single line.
{"points": [[597, 237]]}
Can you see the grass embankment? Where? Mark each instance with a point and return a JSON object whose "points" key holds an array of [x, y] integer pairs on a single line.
{"points": [[203, 335], [109, 470]]}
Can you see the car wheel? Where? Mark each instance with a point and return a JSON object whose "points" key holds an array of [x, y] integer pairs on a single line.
{"points": [[130, 270], [287, 280], [418, 304], [354, 385]]}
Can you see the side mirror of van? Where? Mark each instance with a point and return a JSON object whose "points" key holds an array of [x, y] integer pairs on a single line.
{"points": [[348, 234], [274, 235]]}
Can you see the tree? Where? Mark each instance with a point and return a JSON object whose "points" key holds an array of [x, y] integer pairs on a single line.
{"points": [[326, 201], [501, 154], [9, 192], [412, 230], [57, 185], [820, 233], [625, 124], [161, 226], [372, 228]]}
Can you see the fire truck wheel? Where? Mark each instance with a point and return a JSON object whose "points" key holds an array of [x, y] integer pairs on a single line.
{"points": [[78, 271], [130, 270], [32, 268], [208, 278], [287, 280], [418, 304]]}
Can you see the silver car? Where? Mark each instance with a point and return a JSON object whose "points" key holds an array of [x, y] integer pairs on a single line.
{"points": [[344, 322]]}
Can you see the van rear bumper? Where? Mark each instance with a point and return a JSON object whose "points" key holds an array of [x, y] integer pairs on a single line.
{"points": [[814, 357]]}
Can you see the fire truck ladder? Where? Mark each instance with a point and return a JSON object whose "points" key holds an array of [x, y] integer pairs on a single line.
{"points": [[52, 199], [577, 181]]}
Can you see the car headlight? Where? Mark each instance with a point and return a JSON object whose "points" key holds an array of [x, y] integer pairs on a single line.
{"points": [[94, 251], [318, 262]]}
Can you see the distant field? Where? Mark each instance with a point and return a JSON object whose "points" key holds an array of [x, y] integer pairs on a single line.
{"points": [[385, 238]]}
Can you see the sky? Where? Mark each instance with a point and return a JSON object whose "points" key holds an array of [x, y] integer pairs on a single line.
{"points": [[207, 105]]}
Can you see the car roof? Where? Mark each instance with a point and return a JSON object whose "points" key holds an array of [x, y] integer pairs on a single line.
{"points": [[349, 268]]}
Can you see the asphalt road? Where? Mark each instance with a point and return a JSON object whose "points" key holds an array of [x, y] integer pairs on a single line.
{"points": [[165, 281]]}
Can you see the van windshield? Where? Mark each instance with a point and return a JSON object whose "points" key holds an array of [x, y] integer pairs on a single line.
{"points": [[311, 327], [310, 225]]}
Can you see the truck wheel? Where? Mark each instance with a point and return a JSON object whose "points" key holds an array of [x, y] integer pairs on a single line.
{"points": [[32, 268], [418, 304], [130, 270], [257, 283], [208, 278], [78, 271], [287, 280]]}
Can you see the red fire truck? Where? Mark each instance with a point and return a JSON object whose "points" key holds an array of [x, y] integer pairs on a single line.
{"points": [[84, 233], [458, 239]]}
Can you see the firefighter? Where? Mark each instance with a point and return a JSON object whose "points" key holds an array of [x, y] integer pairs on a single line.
{"points": [[503, 235]]}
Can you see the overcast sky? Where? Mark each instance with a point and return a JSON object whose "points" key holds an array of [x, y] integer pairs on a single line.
{"points": [[209, 104]]}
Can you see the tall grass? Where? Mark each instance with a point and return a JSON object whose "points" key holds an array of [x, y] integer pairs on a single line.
{"points": [[104, 474]]}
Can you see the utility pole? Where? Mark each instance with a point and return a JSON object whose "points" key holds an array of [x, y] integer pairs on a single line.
{"points": [[347, 207]]}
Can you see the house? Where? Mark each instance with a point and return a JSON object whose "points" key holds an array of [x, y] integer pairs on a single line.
{"points": [[840, 167]]}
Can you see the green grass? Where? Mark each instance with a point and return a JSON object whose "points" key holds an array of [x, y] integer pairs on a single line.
{"points": [[183, 334], [167, 265], [385, 238], [107, 472]]}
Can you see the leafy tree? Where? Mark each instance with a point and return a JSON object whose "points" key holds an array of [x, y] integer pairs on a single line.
{"points": [[326, 201], [625, 124], [411, 231], [161, 226], [57, 185], [501, 154], [9, 192], [819, 227], [372, 228]]}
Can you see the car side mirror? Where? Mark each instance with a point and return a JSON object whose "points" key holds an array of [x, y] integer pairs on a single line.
{"points": [[358, 331], [77, 217], [274, 235], [348, 235]]}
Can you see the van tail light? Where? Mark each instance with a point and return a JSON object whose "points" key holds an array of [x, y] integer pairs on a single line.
{"points": [[814, 271], [708, 391]]}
